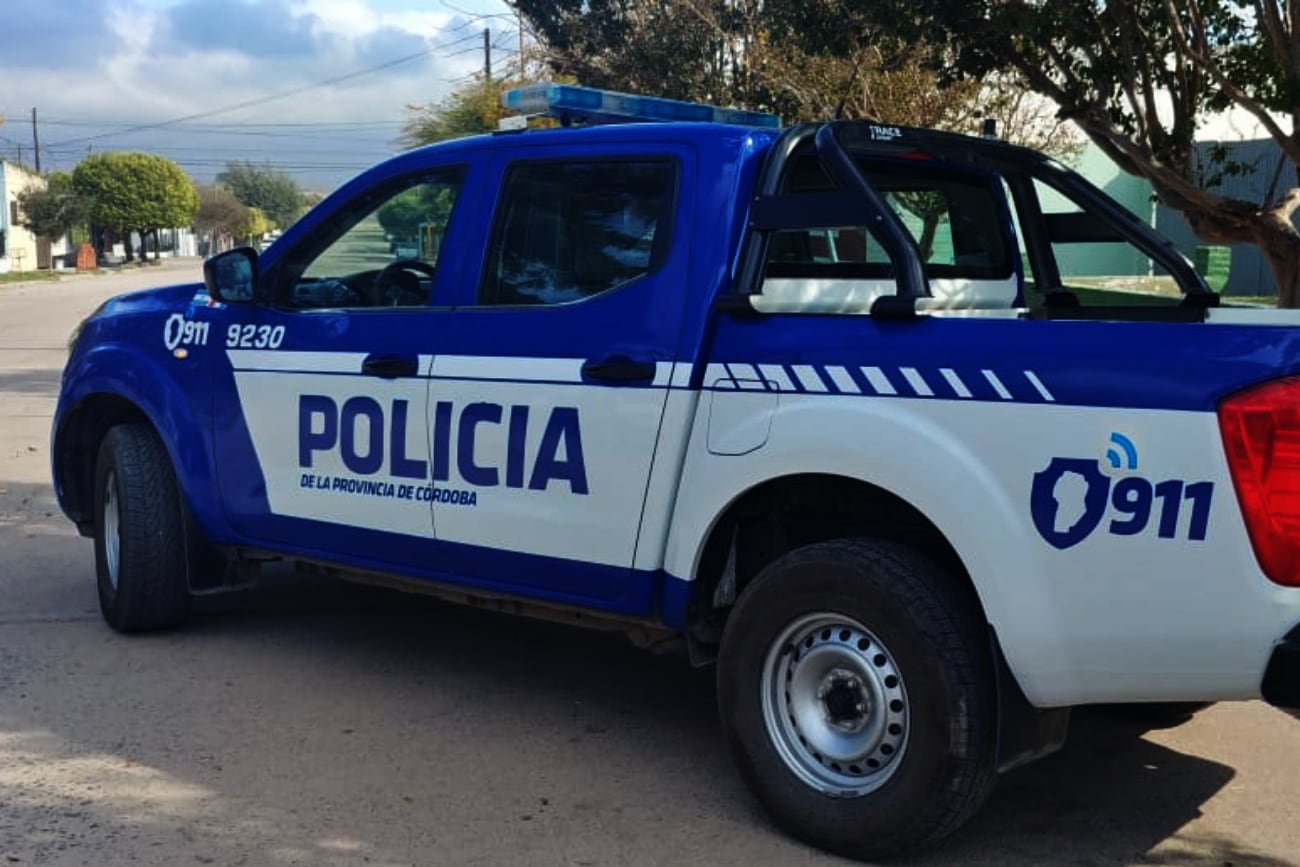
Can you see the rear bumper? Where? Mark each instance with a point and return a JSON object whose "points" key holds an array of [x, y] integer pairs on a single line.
{"points": [[1281, 686]]}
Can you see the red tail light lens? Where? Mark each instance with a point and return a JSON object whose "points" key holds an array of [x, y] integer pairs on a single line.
{"points": [[1261, 434]]}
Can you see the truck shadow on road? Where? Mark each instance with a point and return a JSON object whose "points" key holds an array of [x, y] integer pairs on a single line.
{"points": [[1109, 796]]}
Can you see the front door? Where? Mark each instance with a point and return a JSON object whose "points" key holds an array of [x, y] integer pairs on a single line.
{"points": [[321, 431]]}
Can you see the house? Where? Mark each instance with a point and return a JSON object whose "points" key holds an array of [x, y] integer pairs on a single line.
{"points": [[20, 250]]}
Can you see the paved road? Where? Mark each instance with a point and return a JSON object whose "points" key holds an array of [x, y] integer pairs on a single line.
{"points": [[323, 724]]}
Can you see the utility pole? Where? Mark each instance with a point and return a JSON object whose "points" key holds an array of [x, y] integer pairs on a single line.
{"points": [[36, 142], [487, 54]]}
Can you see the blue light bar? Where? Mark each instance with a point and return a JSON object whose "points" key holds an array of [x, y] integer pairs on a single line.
{"points": [[571, 103]]}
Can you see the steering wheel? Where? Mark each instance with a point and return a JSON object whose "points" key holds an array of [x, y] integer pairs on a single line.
{"points": [[389, 287]]}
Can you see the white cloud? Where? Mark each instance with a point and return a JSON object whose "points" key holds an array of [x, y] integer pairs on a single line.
{"points": [[152, 63]]}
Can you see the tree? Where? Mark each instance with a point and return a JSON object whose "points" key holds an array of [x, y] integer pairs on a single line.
{"points": [[680, 49], [220, 215], [255, 225], [802, 60], [1139, 77], [136, 192], [405, 215], [53, 211], [275, 192], [471, 109]]}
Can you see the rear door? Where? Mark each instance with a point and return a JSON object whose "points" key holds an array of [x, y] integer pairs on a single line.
{"points": [[549, 384]]}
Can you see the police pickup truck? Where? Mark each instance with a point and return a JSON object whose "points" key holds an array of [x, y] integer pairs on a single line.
{"points": [[820, 404]]}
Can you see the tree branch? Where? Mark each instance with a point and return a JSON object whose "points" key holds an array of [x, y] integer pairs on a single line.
{"points": [[1235, 93], [1289, 204], [1267, 12]]}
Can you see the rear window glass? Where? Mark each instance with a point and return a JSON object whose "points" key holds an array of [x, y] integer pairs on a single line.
{"points": [[956, 222]]}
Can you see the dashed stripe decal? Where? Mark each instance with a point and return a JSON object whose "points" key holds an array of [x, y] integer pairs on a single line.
{"points": [[776, 377], [955, 381], [937, 383], [716, 376], [806, 376], [1038, 384], [917, 381], [843, 380], [997, 385], [879, 381]]}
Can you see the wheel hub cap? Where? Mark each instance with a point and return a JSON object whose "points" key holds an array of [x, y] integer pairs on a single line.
{"points": [[835, 705], [112, 524]]}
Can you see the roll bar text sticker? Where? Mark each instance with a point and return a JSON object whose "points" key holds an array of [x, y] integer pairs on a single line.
{"points": [[1072, 498]]}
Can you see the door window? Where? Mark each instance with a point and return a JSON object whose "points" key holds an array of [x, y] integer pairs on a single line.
{"points": [[567, 231], [382, 251]]}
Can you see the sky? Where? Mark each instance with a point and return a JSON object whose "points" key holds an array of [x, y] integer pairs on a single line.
{"points": [[110, 75]]}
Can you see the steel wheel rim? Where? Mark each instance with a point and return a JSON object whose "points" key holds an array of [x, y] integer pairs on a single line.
{"points": [[834, 705], [112, 525]]}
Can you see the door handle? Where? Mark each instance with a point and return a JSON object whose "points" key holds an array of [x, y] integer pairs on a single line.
{"points": [[390, 366], [619, 369]]}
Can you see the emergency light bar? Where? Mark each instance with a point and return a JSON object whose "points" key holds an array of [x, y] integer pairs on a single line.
{"points": [[572, 104]]}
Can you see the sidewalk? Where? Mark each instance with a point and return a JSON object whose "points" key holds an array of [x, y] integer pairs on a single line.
{"points": [[138, 276], [193, 264]]}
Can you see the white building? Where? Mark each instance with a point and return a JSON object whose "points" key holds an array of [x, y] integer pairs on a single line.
{"points": [[20, 250]]}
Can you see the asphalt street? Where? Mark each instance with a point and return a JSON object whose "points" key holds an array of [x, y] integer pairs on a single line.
{"points": [[311, 722]]}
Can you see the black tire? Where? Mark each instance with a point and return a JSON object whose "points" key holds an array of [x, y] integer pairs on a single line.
{"points": [[146, 587], [939, 771]]}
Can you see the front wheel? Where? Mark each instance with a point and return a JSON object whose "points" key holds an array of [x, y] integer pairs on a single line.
{"points": [[855, 684], [140, 560]]}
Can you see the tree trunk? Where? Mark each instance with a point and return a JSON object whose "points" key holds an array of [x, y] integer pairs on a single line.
{"points": [[926, 244], [1271, 230], [1281, 250], [130, 247]]}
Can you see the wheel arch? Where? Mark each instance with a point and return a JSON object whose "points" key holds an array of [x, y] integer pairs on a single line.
{"points": [[776, 515], [76, 449], [114, 387]]}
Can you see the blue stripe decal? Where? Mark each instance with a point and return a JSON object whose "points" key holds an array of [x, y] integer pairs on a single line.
{"points": [[1154, 365], [1176, 366]]}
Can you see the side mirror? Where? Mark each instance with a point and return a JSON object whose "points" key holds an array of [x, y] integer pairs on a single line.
{"points": [[232, 276]]}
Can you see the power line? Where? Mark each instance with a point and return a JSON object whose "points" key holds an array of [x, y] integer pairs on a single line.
{"points": [[475, 17], [338, 79], [249, 103], [227, 126]]}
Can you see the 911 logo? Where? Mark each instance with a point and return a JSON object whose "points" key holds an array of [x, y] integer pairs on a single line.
{"points": [[1072, 497]]}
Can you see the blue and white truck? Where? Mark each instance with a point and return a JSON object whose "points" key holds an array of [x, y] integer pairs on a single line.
{"points": [[815, 404]]}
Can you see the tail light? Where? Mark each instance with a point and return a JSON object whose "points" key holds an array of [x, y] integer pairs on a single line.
{"points": [[1261, 435]]}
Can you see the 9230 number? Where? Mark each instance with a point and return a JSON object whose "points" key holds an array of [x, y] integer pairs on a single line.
{"points": [[254, 336]]}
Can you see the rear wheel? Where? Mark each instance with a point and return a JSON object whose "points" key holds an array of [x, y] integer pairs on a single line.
{"points": [[140, 560], [855, 685]]}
